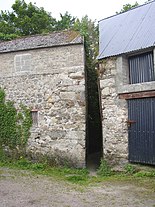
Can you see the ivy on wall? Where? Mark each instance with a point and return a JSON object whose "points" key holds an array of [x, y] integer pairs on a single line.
{"points": [[14, 125]]}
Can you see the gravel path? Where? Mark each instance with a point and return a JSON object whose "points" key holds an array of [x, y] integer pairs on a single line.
{"points": [[23, 189]]}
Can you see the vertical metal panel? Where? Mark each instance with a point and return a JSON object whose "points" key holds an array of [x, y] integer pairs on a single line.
{"points": [[141, 68], [142, 132]]}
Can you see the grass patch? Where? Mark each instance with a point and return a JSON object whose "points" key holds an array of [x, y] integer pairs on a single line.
{"points": [[145, 174], [104, 169], [81, 176], [63, 173]]}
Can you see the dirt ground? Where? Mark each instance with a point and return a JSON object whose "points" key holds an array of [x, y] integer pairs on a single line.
{"points": [[23, 189]]}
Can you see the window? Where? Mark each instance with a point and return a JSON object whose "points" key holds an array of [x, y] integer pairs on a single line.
{"points": [[22, 63], [34, 115], [141, 68]]}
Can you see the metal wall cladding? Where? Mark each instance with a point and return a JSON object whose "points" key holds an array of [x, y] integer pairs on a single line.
{"points": [[141, 68], [127, 32], [142, 131]]}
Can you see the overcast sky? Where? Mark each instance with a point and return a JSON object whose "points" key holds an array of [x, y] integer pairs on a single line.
{"points": [[95, 9]]}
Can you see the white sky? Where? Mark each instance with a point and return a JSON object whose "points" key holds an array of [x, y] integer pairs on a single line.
{"points": [[97, 9]]}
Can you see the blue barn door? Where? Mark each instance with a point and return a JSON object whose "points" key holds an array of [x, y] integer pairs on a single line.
{"points": [[141, 127]]}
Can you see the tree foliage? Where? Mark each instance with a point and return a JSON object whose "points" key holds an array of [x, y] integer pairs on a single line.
{"points": [[127, 7], [66, 22], [25, 19], [89, 30]]}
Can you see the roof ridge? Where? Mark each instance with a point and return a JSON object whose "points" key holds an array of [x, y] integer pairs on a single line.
{"points": [[41, 41], [149, 2]]}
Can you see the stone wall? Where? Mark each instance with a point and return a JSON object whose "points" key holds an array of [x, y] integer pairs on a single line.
{"points": [[114, 112], [51, 81]]}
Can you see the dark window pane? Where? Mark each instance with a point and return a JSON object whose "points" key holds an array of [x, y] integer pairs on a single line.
{"points": [[141, 68]]}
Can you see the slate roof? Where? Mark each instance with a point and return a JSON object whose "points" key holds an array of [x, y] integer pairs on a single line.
{"points": [[127, 32], [41, 41]]}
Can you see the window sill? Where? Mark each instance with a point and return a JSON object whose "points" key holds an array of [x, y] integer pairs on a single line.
{"points": [[138, 87]]}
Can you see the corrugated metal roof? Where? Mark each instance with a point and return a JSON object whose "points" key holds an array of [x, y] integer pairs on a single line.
{"points": [[41, 41], [129, 31]]}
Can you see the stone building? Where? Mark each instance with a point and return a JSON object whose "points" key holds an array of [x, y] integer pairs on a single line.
{"points": [[47, 74], [127, 82]]}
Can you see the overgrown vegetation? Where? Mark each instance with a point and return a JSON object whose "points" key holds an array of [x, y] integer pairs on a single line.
{"points": [[14, 127]]}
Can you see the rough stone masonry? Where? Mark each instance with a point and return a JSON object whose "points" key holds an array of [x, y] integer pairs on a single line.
{"points": [[114, 112], [46, 73]]}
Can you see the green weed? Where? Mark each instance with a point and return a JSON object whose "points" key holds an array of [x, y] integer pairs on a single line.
{"points": [[130, 169], [104, 169], [145, 174], [77, 178]]}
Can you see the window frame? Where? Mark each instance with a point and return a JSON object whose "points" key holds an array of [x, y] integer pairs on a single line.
{"points": [[22, 63], [122, 74], [141, 68], [34, 116]]}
